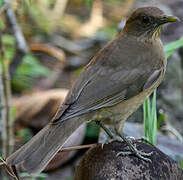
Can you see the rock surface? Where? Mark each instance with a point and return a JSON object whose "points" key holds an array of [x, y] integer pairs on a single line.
{"points": [[103, 164]]}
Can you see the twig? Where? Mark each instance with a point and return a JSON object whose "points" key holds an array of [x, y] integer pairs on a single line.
{"points": [[51, 50], [3, 8], [77, 147], [6, 118], [22, 47], [5, 78], [10, 170], [2, 102], [173, 131], [21, 43]]}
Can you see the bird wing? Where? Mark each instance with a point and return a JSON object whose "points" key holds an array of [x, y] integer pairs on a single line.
{"points": [[106, 82]]}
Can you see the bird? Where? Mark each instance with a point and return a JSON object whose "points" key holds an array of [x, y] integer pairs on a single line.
{"points": [[110, 88]]}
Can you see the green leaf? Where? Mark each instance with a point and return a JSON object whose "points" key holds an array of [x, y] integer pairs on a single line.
{"points": [[1, 3], [171, 47], [154, 118], [2, 25], [160, 120], [150, 119], [88, 2], [25, 134], [151, 124], [28, 2], [92, 130], [27, 72], [9, 44], [32, 67], [13, 112], [8, 39], [181, 164], [147, 116]]}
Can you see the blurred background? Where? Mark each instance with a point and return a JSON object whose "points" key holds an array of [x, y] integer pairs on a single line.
{"points": [[44, 45]]}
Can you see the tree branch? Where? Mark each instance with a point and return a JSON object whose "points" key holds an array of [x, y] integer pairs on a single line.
{"points": [[22, 47], [10, 15]]}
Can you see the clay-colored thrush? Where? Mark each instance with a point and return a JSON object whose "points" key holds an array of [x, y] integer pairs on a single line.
{"points": [[111, 87]]}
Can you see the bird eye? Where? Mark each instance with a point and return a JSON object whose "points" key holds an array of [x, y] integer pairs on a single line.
{"points": [[145, 19]]}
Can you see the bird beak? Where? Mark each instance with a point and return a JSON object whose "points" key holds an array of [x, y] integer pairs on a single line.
{"points": [[167, 19]]}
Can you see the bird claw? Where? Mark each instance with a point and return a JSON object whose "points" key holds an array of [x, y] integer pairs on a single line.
{"points": [[137, 153], [146, 154], [141, 155]]}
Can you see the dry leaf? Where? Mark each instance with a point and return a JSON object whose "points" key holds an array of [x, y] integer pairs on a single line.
{"points": [[37, 109]]}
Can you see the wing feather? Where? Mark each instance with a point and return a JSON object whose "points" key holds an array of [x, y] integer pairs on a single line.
{"points": [[110, 79]]}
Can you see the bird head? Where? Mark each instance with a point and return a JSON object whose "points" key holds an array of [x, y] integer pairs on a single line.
{"points": [[147, 21]]}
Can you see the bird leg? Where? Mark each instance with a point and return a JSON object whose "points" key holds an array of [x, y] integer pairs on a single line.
{"points": [[112, 137], [140, 154], [108, 132], [133, 149]]}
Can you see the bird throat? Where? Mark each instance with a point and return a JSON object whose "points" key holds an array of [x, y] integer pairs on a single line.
{"points": [[147, 35], [152, 34], [156, 34]]}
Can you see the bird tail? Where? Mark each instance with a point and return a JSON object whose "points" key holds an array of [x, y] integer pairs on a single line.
{"points": [[34, 156]]}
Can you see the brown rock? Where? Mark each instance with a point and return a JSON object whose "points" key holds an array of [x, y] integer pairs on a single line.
{"points": [[102, 164]]}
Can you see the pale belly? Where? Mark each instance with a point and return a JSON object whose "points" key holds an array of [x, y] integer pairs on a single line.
{"points": [[121, 111]]}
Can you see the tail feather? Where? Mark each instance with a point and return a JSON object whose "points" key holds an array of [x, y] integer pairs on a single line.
{"points": [[34, 156]]}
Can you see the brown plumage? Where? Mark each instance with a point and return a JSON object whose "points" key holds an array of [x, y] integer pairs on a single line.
{"points": [[111, 87]]}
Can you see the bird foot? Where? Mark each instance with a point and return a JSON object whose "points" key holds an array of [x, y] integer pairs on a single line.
{"points": [[129, 140], [133, 149], [139, 154]]}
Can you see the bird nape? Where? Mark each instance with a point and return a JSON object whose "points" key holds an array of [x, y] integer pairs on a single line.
{"points": [[110, 88]]}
